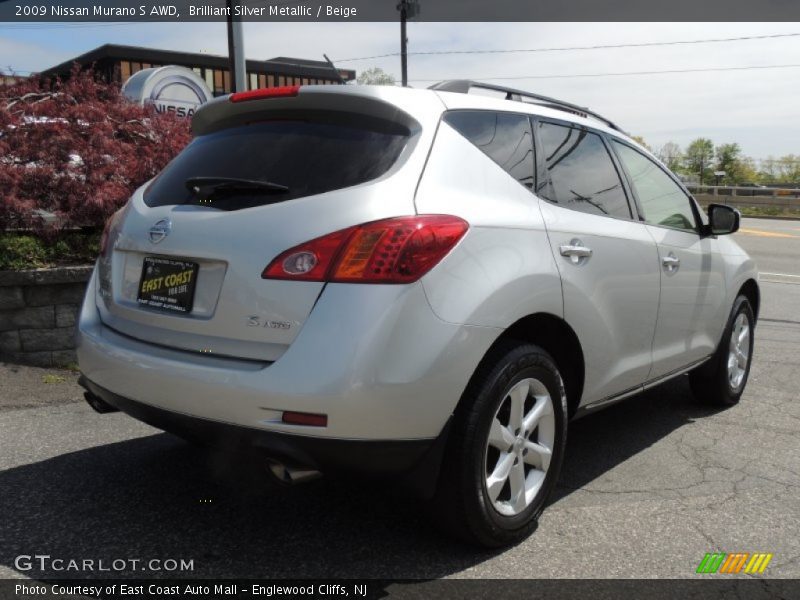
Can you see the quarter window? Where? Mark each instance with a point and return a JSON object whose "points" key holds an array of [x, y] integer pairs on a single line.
{"points": [[663, 201], [503, 137], [580, 173]]}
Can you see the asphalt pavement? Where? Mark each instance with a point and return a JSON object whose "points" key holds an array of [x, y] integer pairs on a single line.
{"points": [[649, 486]]}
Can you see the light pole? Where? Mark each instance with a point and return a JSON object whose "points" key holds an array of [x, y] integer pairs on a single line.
{"points": [[408, 10], [238, 66], [703, 166]]}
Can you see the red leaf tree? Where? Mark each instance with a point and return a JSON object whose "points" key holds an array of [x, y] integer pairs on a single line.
{"points": [[77, 149]]}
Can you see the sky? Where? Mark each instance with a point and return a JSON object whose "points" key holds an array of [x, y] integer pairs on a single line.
{"points": [[756, 108]]}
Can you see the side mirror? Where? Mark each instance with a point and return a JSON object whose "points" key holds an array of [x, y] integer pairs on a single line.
{"points": [[722, 219]]}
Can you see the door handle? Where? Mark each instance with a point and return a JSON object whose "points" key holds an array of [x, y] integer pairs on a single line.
{"points": [[671, 263], [575, 251]]}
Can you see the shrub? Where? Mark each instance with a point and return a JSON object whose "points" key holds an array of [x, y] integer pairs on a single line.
{"points": [[77, 149], [19, 251]]}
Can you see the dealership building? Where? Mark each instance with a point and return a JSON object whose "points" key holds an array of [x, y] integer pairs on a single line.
{"points": [[117, 63]]}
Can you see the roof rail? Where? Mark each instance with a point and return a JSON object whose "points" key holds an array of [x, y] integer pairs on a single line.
{"points": [[463, 86]]}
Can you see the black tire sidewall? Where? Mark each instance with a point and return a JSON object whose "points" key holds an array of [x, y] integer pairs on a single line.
{"points": [[740, 306], [710, 382], [523, 362]]}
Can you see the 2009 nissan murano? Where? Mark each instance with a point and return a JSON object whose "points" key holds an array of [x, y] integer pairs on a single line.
{"points": [[420, 284]]}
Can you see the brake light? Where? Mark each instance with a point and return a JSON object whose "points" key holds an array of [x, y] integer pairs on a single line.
{"points": [[396, 250], [300, 418], [104, 236], [285, 91]]}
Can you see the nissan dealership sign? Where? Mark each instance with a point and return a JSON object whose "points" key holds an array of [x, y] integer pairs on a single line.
{"points": [[169, 89]]}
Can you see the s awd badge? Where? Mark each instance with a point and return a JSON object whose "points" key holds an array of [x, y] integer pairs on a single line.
{"points": [[255, 321]]}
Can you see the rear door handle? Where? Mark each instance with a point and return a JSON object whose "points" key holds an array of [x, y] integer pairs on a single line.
{"points": [[671, 263], [575, 251]]}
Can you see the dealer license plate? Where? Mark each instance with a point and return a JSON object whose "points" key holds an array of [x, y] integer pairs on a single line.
{"points": [[167, 284]]}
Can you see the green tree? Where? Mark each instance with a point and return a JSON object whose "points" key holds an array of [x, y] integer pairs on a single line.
{"points": [[375, 76], [699, 158], [789, 168], [747, 171], [671, 155], [769, 171], [639, 139], [729, 160]]}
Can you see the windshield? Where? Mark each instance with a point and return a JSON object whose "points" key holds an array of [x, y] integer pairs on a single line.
{"points": [[308, 155]]}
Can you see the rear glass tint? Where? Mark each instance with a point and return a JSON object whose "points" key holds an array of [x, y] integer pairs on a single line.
{"points": [[503, 137], [309, 155], [580, 174]]}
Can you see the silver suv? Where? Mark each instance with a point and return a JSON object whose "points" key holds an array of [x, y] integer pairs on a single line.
{"points": [[423, 285]]}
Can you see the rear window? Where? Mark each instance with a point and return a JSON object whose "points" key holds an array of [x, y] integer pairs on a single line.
{"points": [[308, 155]]}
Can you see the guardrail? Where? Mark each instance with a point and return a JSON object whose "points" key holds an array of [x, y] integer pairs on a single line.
{"points": [[746, 191]]}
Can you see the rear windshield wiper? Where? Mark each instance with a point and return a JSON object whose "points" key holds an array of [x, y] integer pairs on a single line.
{"points": [[205, 187]]}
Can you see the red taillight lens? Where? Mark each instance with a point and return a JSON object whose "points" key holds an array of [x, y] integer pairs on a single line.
{"points": [[323, 250], [104, 245], [286, 91], [397, 250], [300, 418]]}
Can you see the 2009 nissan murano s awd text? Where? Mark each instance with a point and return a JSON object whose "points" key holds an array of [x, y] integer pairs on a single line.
{"points": [[420, 284]]}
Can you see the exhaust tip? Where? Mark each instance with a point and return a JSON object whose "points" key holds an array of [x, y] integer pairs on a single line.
{"points": [[290, 475], [99, 405]]}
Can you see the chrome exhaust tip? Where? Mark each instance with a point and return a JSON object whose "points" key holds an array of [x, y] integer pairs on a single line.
{"points": [[291, 475]]}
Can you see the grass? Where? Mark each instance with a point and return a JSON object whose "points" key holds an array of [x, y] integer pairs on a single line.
{"points": [[768, 211], [21, 251], [53, 379]]}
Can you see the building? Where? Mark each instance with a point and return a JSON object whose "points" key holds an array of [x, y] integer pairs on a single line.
{"points": [[6, 79], [116, 63]]}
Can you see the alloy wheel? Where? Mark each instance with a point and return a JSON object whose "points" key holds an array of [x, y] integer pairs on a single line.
{"points": [[519, 447], [739, 351]]}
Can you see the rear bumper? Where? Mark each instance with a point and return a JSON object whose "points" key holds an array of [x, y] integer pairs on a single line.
{"points": [[327, 455], [376, 361]]}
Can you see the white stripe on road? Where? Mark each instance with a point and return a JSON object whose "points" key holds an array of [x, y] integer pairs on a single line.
{"points": [[779, 275]]}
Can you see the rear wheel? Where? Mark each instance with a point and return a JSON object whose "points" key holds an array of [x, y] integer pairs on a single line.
{"points": [[721, 381], [505, 451]]}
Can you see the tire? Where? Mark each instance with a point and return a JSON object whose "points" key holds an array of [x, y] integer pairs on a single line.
{"points": [[721, 380], [492, 511]]}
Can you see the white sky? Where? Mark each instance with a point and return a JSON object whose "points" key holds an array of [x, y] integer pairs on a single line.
{"points": [[756, 108]]}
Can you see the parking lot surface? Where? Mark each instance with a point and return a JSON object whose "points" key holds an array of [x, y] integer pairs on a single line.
{"points": [[648, 486]]}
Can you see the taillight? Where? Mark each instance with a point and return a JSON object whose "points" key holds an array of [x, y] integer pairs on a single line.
{"points": [[285, 91], [105, 237], [300, 418], [396, 250]]}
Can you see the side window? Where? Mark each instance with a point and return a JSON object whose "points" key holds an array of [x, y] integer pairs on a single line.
{"points": [[663, 201], [503, 137], [580, 172]]}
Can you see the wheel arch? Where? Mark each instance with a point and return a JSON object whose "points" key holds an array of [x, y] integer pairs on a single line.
{"points": [[752, 292], [554, 335]]}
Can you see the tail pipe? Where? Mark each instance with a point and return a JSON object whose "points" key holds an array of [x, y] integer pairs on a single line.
{"points": [[289, 475], [98, 404]]}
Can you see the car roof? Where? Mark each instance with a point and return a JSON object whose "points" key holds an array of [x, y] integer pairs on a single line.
{"points": [[421, 104]]}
